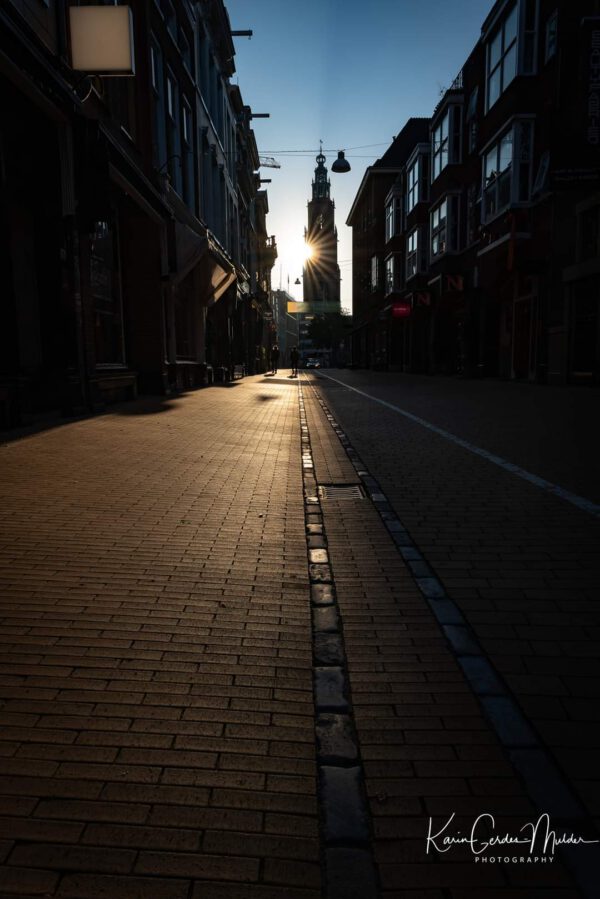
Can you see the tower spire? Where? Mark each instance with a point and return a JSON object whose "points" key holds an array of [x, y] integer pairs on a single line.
{"points": [[321, 184]]}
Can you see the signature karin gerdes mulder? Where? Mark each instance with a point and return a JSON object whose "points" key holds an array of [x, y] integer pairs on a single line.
{"points": [[533, 837]]}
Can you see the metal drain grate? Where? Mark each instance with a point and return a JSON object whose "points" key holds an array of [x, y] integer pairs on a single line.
{"points": [[341, 491]]}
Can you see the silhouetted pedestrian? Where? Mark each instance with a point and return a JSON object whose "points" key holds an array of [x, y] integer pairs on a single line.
{"points": [[294, 357], [274, 358]]}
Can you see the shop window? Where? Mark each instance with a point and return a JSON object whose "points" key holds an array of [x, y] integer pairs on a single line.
{"points": [[105, 285]]}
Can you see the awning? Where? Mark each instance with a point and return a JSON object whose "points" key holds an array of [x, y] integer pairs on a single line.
{"points": [[190, 249], [222, 273], [215, 271]]}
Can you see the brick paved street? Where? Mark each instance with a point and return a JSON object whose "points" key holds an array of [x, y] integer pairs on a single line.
{"points": [[156, 674], [156, 679], [522, 566]]}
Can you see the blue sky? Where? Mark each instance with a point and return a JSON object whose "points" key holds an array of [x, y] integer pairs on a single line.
{"points": [[349, 73]]}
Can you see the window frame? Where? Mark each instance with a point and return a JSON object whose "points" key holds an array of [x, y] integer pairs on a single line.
{"points": [[450, 144], [413, 249], [510, 178], [375, 274], [550, 49], [492, 68], [412, 186], [447, 225], [393, 216], [392, 273], [438, 230], [440, 146]]}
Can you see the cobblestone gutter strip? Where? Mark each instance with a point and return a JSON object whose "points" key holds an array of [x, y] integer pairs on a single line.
{"points": [[346, 852], [542, 778]]}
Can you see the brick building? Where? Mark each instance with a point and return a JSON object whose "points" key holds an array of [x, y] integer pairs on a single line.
{"points": [[490, 261], [134, 250]]}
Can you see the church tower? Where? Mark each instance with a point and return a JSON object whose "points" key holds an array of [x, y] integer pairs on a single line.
{"points": [[321, 271]]}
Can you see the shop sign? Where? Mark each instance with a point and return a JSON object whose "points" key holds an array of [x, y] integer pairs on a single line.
{"points": [[401, 310]]}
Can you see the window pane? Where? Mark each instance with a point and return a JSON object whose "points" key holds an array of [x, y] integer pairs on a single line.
{"points": [[491, 164], [506, 151], [509, 66], [444, 156], [489, 201], [510, 28], [551, 30], [495, 51], [504, 190], [494, 87]]}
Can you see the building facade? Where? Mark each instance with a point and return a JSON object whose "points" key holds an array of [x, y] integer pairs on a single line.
{"points": [[378, 246], [133, 254], [490, 263]]}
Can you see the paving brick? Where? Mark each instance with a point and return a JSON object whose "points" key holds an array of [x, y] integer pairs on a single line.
{"points": [[73, 858], [24, 880], [350, 874], [200, 865], [168, 839], [344, 806], [97, 886], [261, 845]]}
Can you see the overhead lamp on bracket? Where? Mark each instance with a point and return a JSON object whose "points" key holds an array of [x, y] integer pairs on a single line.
{"points": [[341, 164], [247, 33]]}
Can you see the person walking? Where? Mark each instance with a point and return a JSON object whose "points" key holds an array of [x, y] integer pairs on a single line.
{"points": [[294, 357], [274, 358]]}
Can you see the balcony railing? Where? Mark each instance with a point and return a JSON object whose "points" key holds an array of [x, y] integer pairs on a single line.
{"points": [[457, 85]]}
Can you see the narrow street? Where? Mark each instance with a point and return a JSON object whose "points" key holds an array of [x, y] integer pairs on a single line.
{"points": [[260, 640]]}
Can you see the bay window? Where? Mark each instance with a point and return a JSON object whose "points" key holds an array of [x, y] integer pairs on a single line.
{"points": [[444, 227], [445, 140], [439, 149], [393, 217], [417, 176], [501, 66], [392, 274], [511, 47], [412, 254], [507, 170]]}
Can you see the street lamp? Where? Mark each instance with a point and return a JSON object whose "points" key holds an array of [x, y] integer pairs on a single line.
{"points": [[341, 165]]}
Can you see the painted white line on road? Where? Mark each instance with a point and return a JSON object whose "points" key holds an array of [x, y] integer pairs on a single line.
{"points": [[575, 500]]}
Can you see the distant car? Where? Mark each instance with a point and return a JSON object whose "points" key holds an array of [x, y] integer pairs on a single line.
{"points": [[312, 363]]}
